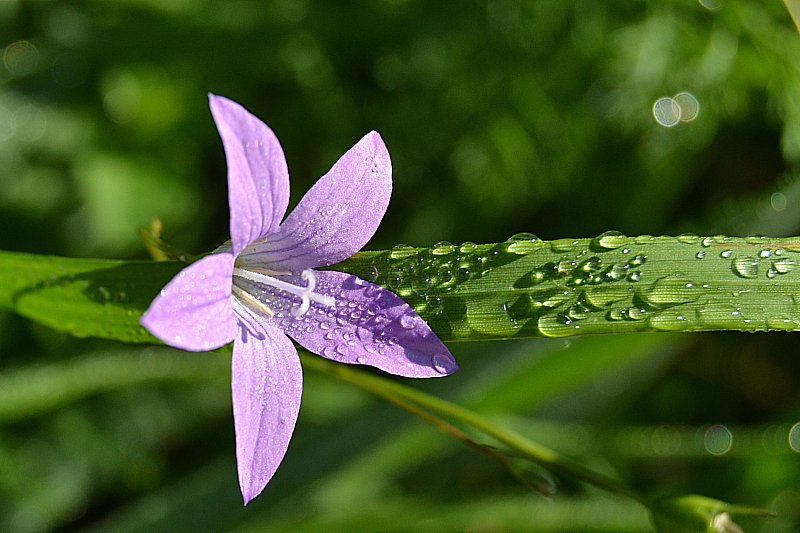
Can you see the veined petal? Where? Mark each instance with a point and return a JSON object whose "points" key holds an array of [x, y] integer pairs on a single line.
{"points": [[337, 216], [258, 180], [369, 325], [193, 312], [267, 383]]}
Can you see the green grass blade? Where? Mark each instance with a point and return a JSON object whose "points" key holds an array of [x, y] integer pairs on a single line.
{"points": [[521, 288]]}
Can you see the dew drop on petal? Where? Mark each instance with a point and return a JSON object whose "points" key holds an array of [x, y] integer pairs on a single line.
{"points": [[441, 363], [407, 321], [329, 351]]}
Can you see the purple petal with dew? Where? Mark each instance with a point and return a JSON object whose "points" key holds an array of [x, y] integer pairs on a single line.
{"points": [[258, 180], [337, 216], [369, 325], [267, 383], [193, 311]]}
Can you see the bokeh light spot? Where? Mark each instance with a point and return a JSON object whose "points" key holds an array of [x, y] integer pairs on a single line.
{"points": [[30, 123], [718, 440], [778, 201], [20, 58], [794, 437], [666, 111], [711, 5], [7, 125], [689, 105]]}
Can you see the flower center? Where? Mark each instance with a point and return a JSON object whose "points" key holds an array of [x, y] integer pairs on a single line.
{"points": [[266, 277]]}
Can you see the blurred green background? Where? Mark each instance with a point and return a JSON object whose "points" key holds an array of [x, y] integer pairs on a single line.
{"points": [[501, 116]]}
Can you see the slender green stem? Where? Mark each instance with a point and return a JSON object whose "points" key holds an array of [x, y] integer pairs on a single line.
{"points": [[403, 396]]}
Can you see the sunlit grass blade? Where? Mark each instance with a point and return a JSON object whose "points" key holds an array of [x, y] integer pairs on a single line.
{"points": [[524, 287]]}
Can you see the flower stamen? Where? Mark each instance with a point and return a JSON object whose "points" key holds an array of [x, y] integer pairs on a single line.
{"points": [[306, 294], [251, 301]]}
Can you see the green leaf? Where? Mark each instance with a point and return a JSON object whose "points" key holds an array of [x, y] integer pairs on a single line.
{"points": [[83, 297], [521, 288]]}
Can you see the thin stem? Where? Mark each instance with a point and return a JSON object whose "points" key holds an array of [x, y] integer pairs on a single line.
{"points": [[402, 396]]}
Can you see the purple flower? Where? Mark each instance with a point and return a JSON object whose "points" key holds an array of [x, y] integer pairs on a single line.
{"points": [[261, 287]]}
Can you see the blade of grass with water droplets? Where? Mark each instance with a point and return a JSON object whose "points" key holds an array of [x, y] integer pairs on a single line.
{"points": [[523, 287]]}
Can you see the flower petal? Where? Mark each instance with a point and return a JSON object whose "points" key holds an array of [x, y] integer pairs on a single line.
{"points": [[337, 216], [266, 382], [258, 180], [369, 325], [193, 311]]}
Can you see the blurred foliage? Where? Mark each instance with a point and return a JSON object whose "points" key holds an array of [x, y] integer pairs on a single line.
{"points": [[501, 116]]}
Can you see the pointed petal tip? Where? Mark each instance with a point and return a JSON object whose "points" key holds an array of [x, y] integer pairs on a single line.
{"points": [[248, 496], [193, 311]]}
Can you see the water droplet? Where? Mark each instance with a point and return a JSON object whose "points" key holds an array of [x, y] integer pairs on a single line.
{"points": [[725, 254], [688, 238], [371, 274], [566, 266], [403, 251], [557, 325], [329, 351], [636, 313], [564, 245], [671, 290], [442, 363], [408, 321], [433, 305], [361, 360], [468, 247], [755, 239], [616, 314], [700, 255], [783, 266], [463, 274], [610, 240], [490, 259], [537, 276], [617, 271], [443, 248], [579, 311], [556, 297], [771, 272], [708, 241], [394, 281], [522, 243], [781, 323], [592, 264], [444, 275], [669, 320], [373, 291], [638, 260], [765, 253], [634, 276], [746, 267], [324, 326]]}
